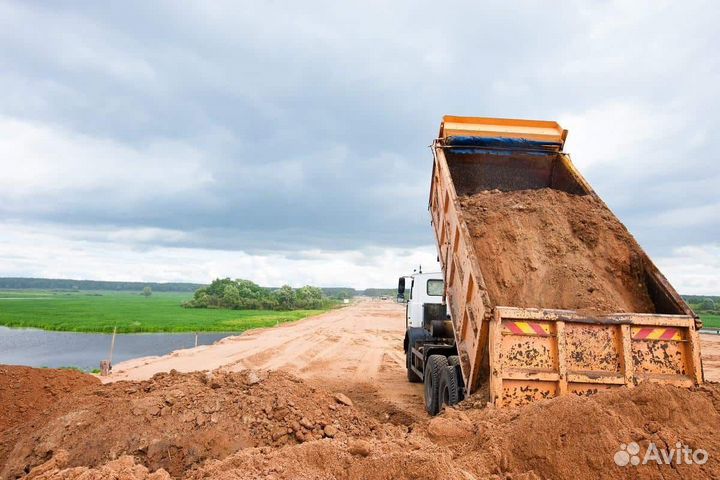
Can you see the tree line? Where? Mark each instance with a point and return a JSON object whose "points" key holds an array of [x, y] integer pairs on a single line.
{"points": [[62, 284], [704, 303], [25, 283], [243, 294]]}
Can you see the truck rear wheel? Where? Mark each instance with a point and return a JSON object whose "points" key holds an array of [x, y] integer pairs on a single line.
{"points": [[434, 371], [449, 391]]}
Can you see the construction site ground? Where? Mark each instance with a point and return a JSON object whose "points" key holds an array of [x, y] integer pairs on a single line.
{"points": [[327, 397]]}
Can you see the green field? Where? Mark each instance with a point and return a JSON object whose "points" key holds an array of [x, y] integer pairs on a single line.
{"points": [[129, 312], [710, 320]]}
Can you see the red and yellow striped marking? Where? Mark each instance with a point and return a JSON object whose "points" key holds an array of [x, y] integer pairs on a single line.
{"points": [[660, 333], [528, 328]]}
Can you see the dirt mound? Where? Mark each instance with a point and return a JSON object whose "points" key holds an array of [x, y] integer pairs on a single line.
{"points": [[578, 437], [550, 249], [175, 421], [26, 392], [125, 467], [564, 438], [394, 457]]}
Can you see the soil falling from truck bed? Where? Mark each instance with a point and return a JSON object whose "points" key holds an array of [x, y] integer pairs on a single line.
{"points": [[549, 249]]}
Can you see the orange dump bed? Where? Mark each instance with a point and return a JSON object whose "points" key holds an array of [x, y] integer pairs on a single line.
{"points": [[526, 351]]}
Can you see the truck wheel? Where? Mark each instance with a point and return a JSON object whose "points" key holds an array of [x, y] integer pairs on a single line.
{"points": [[453, 360], [449, 391], [434, 369]]}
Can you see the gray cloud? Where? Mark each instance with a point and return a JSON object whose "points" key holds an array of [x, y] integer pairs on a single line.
{"points": [[265, 127]]}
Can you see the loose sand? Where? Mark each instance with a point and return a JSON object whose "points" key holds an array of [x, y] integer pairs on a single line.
{"points": [[549, 249]]}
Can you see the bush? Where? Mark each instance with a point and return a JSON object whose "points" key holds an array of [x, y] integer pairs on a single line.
{"points": [[706, 304], [246, 295]]}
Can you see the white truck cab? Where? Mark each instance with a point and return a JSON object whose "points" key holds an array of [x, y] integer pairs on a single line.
{"points": [[418, 290], [429, 335]]}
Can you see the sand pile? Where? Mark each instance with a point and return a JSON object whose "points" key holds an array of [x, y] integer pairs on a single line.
{"points": [[27, 392], [566, 437], [550, 249], [578, 437], [176, 421]]}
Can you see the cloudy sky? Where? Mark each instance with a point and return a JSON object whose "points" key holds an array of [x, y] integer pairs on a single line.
{"points": [[287, 141]]}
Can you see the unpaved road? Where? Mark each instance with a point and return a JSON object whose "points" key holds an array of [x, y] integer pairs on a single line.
{"points": [[710, 345], [356, 350]]}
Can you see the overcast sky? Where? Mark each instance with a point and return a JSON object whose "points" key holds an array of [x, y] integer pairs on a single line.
{"points": [[287, 141]]}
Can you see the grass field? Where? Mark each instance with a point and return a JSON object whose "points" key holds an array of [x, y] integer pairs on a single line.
{"points": [[130, 312], [710, 320]]}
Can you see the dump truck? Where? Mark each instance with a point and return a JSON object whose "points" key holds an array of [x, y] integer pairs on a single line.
{"points": [[519, 353]]}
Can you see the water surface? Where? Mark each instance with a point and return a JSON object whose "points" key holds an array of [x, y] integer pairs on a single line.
{"points": [[41, 348]]}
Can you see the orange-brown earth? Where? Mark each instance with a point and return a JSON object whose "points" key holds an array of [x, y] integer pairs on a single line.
{"points": [[549, 249], [26, 392], [296, 422], [357, 350]]}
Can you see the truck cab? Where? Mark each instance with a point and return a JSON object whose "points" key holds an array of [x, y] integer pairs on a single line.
{"points": [[430, 352], [419, 290]]}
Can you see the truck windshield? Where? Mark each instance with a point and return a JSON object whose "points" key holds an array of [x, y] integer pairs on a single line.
{"points": [[435, 288]]}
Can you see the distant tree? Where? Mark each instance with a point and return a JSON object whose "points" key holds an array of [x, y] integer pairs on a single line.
{"points": [[270, 302], [231, 297], [200, 300], [217, 287], [706, 304], [251, 294], [285, 297], [247, 295], [147, 291], [344, 293], [308, 297]]}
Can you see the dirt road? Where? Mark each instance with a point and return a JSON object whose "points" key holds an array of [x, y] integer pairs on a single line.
{"points": [[356, 349], [710, 345]]}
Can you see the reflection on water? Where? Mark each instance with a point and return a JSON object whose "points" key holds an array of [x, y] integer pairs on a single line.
{"points": [[40, 348]]}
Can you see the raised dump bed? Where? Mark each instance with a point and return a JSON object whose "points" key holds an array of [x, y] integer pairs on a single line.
{"points": [[547, 292]]}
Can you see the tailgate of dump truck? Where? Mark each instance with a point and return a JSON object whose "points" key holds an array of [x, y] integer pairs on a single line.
{"points": [[537, 353]]}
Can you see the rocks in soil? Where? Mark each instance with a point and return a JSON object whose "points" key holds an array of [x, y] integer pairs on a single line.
{"points": [[252, 378], [567, 437], [454, 425], [360, 447], [341, 398], [283, 429], [176, 421]]}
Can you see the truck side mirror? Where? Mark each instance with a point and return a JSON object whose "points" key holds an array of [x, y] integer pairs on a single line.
{"points": [[401, 288]]}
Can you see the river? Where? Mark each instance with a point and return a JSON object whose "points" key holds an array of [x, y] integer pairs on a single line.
{"points": [[41, 348]]}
